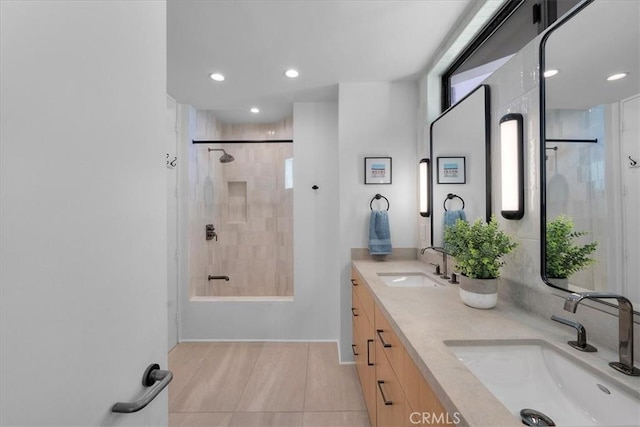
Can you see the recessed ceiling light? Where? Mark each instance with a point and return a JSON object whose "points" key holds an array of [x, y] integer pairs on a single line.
{"points": [[617, 76], [255, 110], [550, 73], [291, 73], [217, 77]]}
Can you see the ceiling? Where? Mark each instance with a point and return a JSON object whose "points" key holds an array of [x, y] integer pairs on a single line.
{"points": [[599, 41], [329, 42]]}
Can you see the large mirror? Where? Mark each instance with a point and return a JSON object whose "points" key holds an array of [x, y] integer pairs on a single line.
{"points": [[460, 163], [590, 111]]}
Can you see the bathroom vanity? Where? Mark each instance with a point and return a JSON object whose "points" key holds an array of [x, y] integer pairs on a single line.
{"points": [[409, 343]]}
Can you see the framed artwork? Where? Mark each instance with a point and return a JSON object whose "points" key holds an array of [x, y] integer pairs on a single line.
{"points": [[377, 170], [451, 170]]}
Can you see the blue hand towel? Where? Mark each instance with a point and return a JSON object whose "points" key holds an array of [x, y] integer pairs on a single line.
{"points": [[379, 234], [450, 217]]}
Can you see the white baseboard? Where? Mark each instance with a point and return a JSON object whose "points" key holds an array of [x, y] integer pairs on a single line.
{"points": [[274, 340]]}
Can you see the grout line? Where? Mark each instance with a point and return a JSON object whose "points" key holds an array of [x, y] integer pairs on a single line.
{"points": [[244, 389], [306, 377]]}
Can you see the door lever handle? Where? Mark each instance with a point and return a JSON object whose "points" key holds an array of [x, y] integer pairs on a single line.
{"points": [[152, 374]]}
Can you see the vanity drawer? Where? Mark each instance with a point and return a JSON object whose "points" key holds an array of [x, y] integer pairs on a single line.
{"points": [[421, 399], [363, 293], [391, 403], [356, 347], [390, 344], [358, 317], [411, 382]]}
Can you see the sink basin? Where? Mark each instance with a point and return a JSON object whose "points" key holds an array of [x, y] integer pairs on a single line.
{"points": [[408, 280], [535, 375]]}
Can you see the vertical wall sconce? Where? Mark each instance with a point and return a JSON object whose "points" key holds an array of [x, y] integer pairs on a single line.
{"points": [[425, 176], [512, 166]]}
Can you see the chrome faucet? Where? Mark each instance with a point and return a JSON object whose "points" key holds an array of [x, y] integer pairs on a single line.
{"points": [[625, 327]]}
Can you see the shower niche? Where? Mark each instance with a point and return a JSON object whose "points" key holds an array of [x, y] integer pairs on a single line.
{"points": [[239, 178], [237, 206]]}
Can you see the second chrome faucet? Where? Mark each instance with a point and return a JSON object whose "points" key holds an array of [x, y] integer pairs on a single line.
{"points": [[444, 274], [581, 343]]}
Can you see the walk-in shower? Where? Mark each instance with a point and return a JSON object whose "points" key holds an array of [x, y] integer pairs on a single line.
{"points": [[245, 200]]}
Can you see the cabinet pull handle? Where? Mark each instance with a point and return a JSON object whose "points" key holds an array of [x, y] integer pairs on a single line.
{"points": [[369, 353], [353, 311], [354, 283], [384, 398], [353, 348], [384, 344]]}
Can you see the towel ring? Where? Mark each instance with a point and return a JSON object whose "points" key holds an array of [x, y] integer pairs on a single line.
{"points": [[449, 197], [378, 197]]}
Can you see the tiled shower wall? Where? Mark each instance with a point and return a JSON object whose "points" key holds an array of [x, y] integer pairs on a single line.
{"points": [[576, 179], [250, 208]]}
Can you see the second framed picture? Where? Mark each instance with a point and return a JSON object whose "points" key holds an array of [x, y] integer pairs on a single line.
{"points": [[451, 170]]}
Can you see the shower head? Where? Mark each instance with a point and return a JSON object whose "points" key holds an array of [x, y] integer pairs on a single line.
{"points": [[225, 158]]}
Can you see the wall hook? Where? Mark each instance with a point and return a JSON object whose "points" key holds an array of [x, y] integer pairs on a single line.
{"points": [[634, 163], [171, 163]]}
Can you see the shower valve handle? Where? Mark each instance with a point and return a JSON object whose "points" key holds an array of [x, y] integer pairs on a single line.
{"points": [[211, 232]]}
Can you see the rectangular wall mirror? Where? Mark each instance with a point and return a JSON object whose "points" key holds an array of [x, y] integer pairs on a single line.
{"points": [[590, 112], [461, 162]]}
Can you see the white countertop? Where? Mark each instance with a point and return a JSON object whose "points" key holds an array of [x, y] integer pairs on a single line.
{"points": [[424, 318]]}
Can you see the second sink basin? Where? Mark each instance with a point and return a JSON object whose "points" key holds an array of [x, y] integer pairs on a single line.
{"points": [[535, 375], [408, 280]]}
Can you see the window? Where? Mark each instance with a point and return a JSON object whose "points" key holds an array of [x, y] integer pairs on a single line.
{"points": [[513, 26]]}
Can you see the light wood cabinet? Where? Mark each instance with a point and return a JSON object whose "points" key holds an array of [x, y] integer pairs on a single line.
{"points": [[364, 341], [421, 399], [395, 392]]}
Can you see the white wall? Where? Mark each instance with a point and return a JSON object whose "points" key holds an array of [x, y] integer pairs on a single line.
{"points": [[82, 211], [313, 313], [376, 119]]}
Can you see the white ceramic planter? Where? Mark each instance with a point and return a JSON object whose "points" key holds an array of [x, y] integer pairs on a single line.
{"points": [[478, 293]]}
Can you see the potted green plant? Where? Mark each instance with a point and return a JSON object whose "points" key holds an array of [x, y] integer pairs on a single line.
{"points": [[563, 256], [478, 249]]}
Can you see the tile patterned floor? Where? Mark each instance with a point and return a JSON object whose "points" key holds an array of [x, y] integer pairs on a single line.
{"points": [[263, 385]]}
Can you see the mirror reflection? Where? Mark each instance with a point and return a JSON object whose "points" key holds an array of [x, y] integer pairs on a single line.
{"points": [[460, 163], [592, 150]]}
